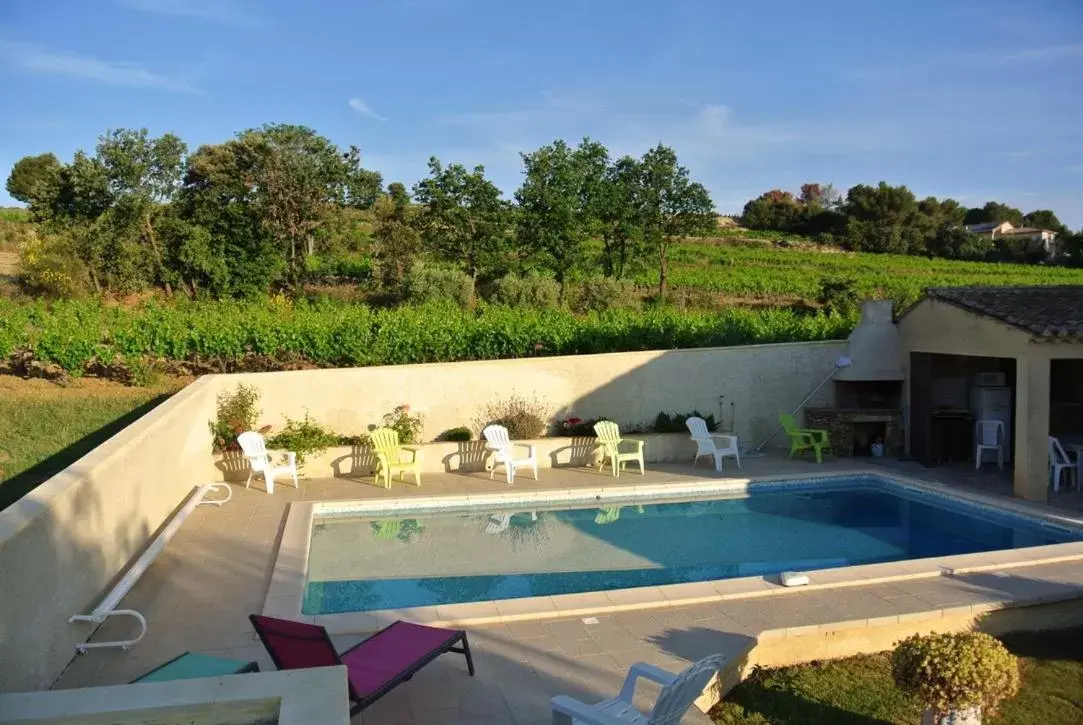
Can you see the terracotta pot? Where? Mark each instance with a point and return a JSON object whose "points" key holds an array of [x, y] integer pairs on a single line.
{"points": [[967, 716]]}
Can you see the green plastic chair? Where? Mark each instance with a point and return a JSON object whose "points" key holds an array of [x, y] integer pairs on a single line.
{"points": [[610, 441], [389, 452], [805, 439]]}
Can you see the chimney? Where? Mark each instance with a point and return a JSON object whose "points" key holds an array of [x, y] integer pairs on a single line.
{"points": [[874, 345]]}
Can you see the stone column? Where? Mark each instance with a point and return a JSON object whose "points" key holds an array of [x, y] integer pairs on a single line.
{"points": [[1031, 426]]}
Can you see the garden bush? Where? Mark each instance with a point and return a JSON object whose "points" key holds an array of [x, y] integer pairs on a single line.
{"points": [[576, 427], [304, 437], [530, 292], [675, 422], [462, 433], [955, 671], [599, 294], [436, 283], [236, 413], [525, 418], [402, 422]]}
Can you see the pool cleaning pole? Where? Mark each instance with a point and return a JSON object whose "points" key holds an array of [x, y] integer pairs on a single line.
{"points": [[842, 362]]}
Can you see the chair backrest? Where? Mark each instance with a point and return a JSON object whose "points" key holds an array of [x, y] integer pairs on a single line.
{"points": [[676, 697], [295, 645], [385, 440], [1056, 452], [497, 437], [989, 432], [697, 427], [788, 423], [607, 431], [255, 449]]}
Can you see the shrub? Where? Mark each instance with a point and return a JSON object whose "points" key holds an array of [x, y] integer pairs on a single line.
{"points": [[462, 433], [431, 283], [576, 427], [236, 413], [838, 294], [675, 422], [598, 294], [304, 437], [49, 266], [144, 372], [407, 426], [524, 418], [533, 292], [955, 671]]}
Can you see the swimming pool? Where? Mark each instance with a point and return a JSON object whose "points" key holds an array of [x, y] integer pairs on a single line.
{"points": [[359, 564]]}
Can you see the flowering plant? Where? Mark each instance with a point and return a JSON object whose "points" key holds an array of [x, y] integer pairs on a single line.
{"points": [[577, 427], [407, 426]]}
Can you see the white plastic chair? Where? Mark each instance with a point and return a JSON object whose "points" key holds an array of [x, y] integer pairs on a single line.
{"points": [[677, 695], [989, 435], [259, 461], [1059, 462], [717, 445], [503, 448]]}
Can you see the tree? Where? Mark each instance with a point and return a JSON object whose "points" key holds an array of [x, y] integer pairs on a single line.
{"points": [[1044, 219], [994, 212], [884, 218], [295, 176], [775, 210], [557, 204], [462, 219], [397, 240], [673, 206], [143, 174], [33, 179], [363, 186], [620, 214], [955, 242], [217, 199]]}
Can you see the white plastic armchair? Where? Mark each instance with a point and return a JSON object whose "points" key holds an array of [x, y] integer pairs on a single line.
{"points": [[1059, 463], [989, 436], [716, 445], [677, 695], [499, 442], [259, 461]]}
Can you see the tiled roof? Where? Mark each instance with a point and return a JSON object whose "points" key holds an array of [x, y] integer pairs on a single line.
{"points": [[1055, 313]]}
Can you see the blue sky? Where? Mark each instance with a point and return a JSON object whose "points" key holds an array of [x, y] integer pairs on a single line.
{"points": [[974, 99]]}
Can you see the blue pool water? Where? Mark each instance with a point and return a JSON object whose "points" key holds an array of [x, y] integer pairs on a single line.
{"points": [[361, 564]]}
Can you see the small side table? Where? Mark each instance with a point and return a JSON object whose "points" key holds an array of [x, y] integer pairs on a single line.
{"points": [[192, 665]]}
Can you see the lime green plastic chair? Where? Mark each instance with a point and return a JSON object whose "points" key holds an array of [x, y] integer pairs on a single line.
{"points": [[609, 439], [389, 454], [805, 439]]}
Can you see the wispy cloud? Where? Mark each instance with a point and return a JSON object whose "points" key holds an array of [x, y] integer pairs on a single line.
{"points": [[35, 59], [222, 12], [359, 105], [973, 61]]}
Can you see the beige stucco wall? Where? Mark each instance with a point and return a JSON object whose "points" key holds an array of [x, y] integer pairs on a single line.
{"points": [[62, 544], [761, 381], [938, 327]]}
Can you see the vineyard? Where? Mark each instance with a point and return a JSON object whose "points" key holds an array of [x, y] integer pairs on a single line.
{"points": [[788, 274], [74, 335]]}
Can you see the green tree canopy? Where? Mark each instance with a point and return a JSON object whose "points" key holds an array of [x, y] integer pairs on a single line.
{"points": [[33, 179], [673, 206], [994, 211], [462, 217]]}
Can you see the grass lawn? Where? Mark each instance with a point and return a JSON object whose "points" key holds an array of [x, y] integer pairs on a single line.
{"points": [[860, 691], [45, 427]]}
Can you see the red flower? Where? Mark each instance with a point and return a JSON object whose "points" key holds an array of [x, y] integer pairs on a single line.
{"points": [[574, 421]]}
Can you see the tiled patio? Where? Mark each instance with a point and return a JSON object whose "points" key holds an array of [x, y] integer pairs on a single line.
{"points": [[216, 570]]}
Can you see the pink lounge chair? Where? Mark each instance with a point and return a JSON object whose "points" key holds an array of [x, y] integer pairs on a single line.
{"points": [[374, 666]]}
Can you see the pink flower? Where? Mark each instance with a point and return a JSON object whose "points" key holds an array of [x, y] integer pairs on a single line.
{"points": [[574, 421], [405, 408]]}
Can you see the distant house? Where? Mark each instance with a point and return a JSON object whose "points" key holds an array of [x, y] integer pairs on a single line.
{"points": [[999, 230]]}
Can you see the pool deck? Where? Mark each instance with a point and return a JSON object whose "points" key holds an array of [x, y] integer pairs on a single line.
{"points": [[217, 570]]}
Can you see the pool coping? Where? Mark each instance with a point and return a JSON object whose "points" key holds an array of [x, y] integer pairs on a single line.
{"points": [[286, 590]]}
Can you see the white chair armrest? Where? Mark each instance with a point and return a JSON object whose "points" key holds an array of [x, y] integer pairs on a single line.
{"points": [[531, 449], [731, 440], [647, 672], [581, 712], [291, 459]]}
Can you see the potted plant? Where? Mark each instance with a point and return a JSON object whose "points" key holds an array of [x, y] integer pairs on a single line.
{"points": [[956, 676]]}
